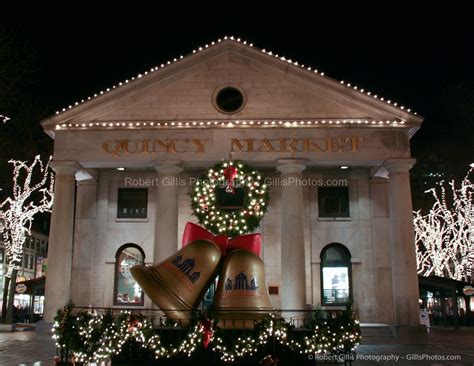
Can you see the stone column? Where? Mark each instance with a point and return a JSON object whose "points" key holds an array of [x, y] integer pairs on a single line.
{"points": [[84, 235], [293, 274], [402, 244], [58, 274], [166, 221]]}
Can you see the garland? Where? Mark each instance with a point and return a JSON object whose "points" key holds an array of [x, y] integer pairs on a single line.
{"points": [[88, 337], [230, 176]]}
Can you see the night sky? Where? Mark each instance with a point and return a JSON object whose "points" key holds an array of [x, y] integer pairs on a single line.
{"points": [[420, 58]]}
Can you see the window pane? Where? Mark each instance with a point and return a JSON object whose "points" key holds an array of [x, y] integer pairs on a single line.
{"points": [[333, 201], [127, 289], [132, 203], [335, 284]]}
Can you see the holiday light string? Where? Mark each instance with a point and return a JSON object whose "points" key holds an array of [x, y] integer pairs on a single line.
{"points": [[444, 236], [241, 123], [93, 338], [18, 211], [353, 88], [235, 222], [324, 340]]}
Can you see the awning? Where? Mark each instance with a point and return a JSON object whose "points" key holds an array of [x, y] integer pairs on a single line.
{"points": [[34, 286]]}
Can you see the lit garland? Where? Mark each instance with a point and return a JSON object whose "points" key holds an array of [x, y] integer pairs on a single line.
{"points": [[91, 338], [444, 236], [236, 222], [17, 212], [343, 84], [333, 336]]}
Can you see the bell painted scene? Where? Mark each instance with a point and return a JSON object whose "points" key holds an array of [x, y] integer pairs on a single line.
{"points": [[233, 189]]}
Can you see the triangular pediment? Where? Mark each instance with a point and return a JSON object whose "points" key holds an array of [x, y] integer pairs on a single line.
{"points": [[273, 90]]}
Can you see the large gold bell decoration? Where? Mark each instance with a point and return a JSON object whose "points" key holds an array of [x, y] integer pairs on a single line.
{"points": [[242, 295], [178, 283]]}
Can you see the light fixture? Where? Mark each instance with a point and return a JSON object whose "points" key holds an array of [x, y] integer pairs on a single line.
{"points": [[121, 169], [343, 167]]}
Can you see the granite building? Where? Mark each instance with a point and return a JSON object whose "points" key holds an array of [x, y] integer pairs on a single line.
{"points": [[336, 159]]}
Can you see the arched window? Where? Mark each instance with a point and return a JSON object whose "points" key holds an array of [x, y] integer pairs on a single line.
{"points": [[127, 292], [335, 275]]}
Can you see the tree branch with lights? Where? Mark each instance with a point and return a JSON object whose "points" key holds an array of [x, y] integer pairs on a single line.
{"points": [[444, 236], [32, 194]]}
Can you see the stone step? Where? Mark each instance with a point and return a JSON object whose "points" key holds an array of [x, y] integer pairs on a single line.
{"points": [[377, 334]]}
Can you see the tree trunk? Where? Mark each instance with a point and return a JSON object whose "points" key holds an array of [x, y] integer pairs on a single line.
{"points": [[11, 296], [6, 286]]}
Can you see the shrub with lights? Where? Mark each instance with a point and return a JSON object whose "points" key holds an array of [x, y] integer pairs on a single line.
{"points": [[231, 178], [85, 337]]}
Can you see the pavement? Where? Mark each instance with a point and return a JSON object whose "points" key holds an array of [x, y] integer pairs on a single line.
{"points": [[445, 347]]}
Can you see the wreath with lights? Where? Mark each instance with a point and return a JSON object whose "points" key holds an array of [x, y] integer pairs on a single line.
{"points": [[229, 177]]}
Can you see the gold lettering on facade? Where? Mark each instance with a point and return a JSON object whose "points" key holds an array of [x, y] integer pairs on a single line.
{"points": [[117, 148], [355, 143], [266, 146], [199, 145], [168, 146], [294, 145], [311, 145], [237, 145]]}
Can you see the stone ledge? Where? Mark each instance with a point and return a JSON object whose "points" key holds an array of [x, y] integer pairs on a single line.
{"points": [[7, 327]]}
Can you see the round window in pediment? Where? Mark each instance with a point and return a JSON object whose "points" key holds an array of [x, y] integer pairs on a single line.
{"points": [[229, 100]]}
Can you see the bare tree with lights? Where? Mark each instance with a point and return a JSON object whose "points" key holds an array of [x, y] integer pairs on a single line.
{"points": [[445, 235], [32, 194]]}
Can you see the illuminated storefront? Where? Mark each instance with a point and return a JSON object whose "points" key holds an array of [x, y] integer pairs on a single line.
{"points": [[33, 268]]}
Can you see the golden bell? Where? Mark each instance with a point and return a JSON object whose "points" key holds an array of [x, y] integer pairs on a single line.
{"points": [[177, 284], [242, 295]]}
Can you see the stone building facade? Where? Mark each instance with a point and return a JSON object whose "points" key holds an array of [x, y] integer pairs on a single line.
{"points": [[295, 125]]}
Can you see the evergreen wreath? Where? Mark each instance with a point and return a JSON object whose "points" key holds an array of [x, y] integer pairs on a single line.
{"points": [[227, 179]]}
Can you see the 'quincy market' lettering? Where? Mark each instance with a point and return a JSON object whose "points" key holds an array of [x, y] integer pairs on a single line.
{"points": [[249, 145], [126, 146], [329, 144]]}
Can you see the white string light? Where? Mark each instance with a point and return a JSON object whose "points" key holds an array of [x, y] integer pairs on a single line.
{"points": [[238, 40], [300, 123], [4, 119], [17, 212], [444, 236], [102, 338]]}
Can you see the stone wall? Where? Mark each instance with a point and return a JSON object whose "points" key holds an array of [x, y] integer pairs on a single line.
{"points": [[364, 233]]}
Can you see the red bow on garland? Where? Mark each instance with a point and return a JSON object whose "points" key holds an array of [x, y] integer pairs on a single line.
{"points": [[207, 332], [250, 242]]}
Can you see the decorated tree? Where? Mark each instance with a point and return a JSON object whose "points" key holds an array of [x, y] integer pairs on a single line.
{"points": [[32, 194], [445, 235]]}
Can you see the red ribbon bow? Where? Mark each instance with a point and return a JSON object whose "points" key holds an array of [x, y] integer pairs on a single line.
{"points": [[230, 172], [250, 242], [207, 332]]}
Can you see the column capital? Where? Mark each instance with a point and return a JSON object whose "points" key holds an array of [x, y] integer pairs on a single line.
{"points": [[169, 168], [398, 166], [291, 166], [65, 167], [87, 176]]}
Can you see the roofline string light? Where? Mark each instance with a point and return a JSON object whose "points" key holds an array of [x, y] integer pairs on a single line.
{"points": [[232, 38], [231, 123]]}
